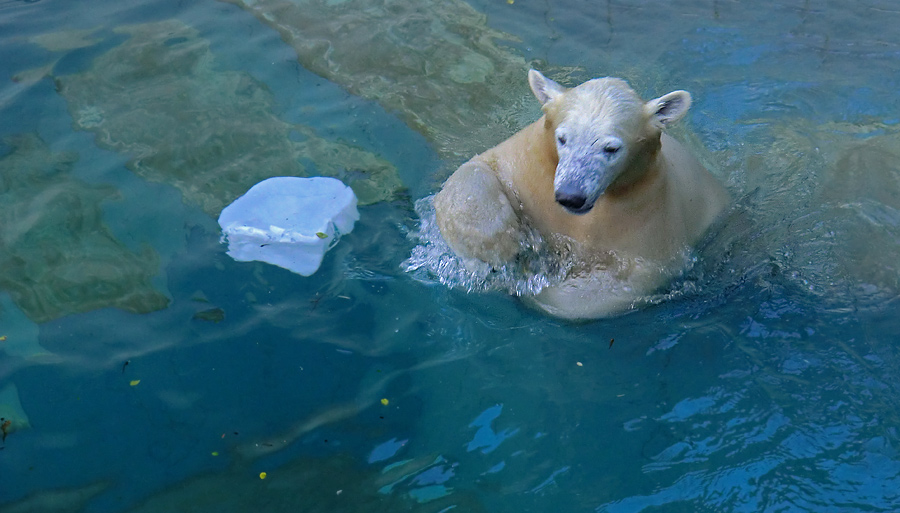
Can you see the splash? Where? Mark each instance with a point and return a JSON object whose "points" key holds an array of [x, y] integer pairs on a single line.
{"points": [[160, 98], [57, 256], [553, 267], [534, 270]]}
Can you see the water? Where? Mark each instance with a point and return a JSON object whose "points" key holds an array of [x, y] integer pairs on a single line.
{"points": [[147, 371]]}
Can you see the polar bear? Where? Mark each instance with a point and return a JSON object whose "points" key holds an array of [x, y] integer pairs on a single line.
{"points": [[600, 182]]}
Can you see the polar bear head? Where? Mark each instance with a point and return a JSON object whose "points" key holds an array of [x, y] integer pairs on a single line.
{"points": [[604, 134]]}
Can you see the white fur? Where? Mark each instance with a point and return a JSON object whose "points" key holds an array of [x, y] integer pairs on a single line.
{"points": [[597, 179]]}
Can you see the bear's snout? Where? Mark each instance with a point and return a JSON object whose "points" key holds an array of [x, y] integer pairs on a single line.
{"points": [[573, 201]]}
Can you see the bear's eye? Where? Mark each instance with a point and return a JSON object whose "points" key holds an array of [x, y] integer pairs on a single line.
{"points": [[611, 149], [561, 139]]}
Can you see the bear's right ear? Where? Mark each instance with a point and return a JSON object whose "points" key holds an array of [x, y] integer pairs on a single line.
{"points": [[668, 109], [543, 88]]}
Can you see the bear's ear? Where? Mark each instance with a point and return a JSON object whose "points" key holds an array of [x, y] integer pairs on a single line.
{"points": [[542, 87], [666, 110]]}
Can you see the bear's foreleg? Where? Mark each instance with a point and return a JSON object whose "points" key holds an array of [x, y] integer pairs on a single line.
{"points": [[475, 216]]}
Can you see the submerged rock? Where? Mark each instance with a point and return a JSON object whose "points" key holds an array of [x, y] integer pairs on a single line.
{"points": [[825, 211], [19, 337], [215, 315], [66, 39], [312, 485], [160, 98], [859, 217], [12, 416], [436, 64], [63, 500], [57, 257]]}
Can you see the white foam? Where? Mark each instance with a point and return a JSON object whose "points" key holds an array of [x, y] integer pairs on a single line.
{"points": [[532, 271]]}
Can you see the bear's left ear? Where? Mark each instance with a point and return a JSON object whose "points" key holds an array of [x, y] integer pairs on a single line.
{"points": [[542, 87], [667, 110]]}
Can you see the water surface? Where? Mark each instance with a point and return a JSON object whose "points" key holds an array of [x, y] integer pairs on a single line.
{"points": [[144, 370]]}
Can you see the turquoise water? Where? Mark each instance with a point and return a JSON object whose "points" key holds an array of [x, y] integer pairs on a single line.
{"points": [[142, 369]]}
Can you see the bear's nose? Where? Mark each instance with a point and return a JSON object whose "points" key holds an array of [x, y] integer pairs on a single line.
{"points": [[572, 201]]}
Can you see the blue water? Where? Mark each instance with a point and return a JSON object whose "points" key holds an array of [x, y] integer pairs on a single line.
{"points": [[157, 374]]}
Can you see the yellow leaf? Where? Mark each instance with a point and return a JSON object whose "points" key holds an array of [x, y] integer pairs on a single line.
{"points": [[384, 402], [134, 382], [215, 453], [321, 235], [262, 475]]}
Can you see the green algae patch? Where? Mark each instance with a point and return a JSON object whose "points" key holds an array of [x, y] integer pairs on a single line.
{"points": [[435, 63], [160, 99], [57, 257]]}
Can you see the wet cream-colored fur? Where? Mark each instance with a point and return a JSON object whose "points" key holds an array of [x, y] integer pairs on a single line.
{"points": [[598, 179]]}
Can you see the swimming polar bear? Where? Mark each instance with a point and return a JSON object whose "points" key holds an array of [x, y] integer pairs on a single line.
{"points": [[601, 184]]}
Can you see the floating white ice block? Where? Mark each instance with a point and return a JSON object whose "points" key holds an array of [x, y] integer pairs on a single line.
{"points": [[289, 222]]}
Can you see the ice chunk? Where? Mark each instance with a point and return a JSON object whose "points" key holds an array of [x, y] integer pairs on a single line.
{"points": [[289, 222]]}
